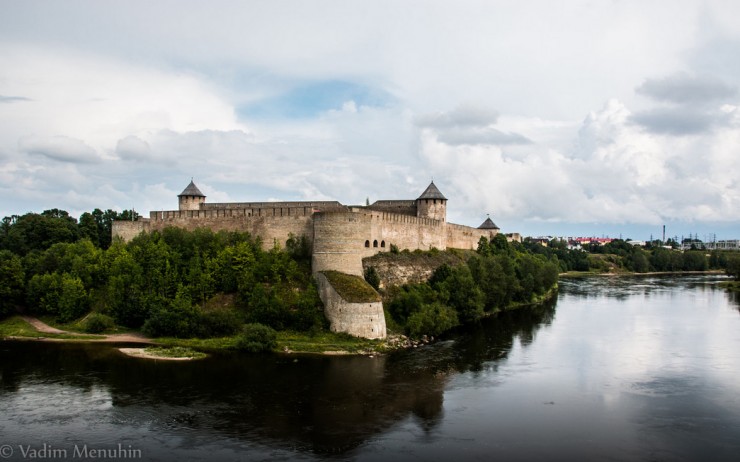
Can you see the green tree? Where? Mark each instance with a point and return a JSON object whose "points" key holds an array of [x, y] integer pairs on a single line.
{"points": [[461, 293], [637, 261], [733, 267], [73, 299], [372, 277], [695, 261], [12, 282], [61, 295], [88, 228], [431, 319], [39, 231]]}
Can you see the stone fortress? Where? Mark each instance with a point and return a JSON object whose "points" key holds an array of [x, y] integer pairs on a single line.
{"points": [[340, 237]]}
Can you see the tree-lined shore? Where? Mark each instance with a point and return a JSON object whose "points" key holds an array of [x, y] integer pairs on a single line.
{"points": [[222, 290]]}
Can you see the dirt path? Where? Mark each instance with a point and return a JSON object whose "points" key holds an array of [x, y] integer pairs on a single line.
{"points": [[112, 338], [42, 327]]}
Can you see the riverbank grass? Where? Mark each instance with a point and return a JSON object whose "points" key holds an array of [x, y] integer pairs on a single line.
{"points": [[174, 352], [320, 342]]}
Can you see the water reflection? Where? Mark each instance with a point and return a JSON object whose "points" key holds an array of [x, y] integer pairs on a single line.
{"points": [[322, 404]]}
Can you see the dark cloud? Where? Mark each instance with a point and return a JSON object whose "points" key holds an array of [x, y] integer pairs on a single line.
{"points": [[468, 125], [687, 89], [463, 116], [59, 148], [489, 136], [13, 99], [682, 121]]}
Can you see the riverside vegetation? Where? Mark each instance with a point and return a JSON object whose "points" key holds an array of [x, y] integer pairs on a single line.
{"points": [[207, 290]]}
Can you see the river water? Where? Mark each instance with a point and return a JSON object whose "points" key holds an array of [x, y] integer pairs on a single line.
{"points": [[615, 369]]}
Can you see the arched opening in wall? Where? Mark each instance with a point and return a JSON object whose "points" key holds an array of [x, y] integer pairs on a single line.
{"points": [[382, 244], [375, 243], [367, 243]]}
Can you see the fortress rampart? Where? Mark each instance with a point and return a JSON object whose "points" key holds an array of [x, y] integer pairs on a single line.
{"points": [[340, 236]]}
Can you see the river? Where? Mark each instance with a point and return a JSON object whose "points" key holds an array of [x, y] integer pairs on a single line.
{"points": [[628, 368]]}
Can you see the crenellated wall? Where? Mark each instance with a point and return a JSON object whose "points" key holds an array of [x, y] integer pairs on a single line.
{"points": [[269, 225], [465, 237]]}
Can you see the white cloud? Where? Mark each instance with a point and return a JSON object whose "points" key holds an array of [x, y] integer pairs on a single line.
{"points": [[133, 148], [488, 98], [59, 147]]}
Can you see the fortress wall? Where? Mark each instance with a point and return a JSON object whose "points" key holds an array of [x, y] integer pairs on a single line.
{"points": [[310, 205], [408, 232], [343, 239], [267, 227], [128, 230], [399, 207], [339, 242], [466, 237], [359, 319]]}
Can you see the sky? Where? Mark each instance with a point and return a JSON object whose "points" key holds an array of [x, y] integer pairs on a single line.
{"points": [[578, 118]]}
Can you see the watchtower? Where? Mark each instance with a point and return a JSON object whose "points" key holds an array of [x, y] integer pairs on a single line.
{"points": [[191, 198], [432, 204]]}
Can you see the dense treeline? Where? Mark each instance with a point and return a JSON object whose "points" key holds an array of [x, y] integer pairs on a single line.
{"points": [[22, 234], [169, 283], [499, 275], [624, 256]]}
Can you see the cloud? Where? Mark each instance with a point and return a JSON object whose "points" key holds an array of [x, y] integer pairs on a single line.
{"points": [[617, 173], [684, 88], [462, 116], [457, 136], [61, 148], [678, 121], [468, 125], [133, 148], [13, 99], [342, 103], [691, 104]]}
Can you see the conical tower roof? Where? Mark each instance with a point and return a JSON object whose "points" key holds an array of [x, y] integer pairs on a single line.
{"points": [[191, 190], [432, 193], [488, 224]]}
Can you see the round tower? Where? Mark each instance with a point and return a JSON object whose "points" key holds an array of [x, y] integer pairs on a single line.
{"points": [[432, 204], [191, 198]]}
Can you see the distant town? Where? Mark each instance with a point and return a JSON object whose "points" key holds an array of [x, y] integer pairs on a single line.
{"points": [[689, 243]]}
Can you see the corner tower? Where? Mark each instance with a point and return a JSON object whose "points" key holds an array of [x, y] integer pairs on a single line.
{"points": [[432, 204], [191, 198]]}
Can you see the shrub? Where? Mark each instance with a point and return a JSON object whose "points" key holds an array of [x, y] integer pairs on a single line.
{"points": [[97, 323], [372, 277], [431, 319], [257, 338], [733, 267], [61, 295], [218, 323]]}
